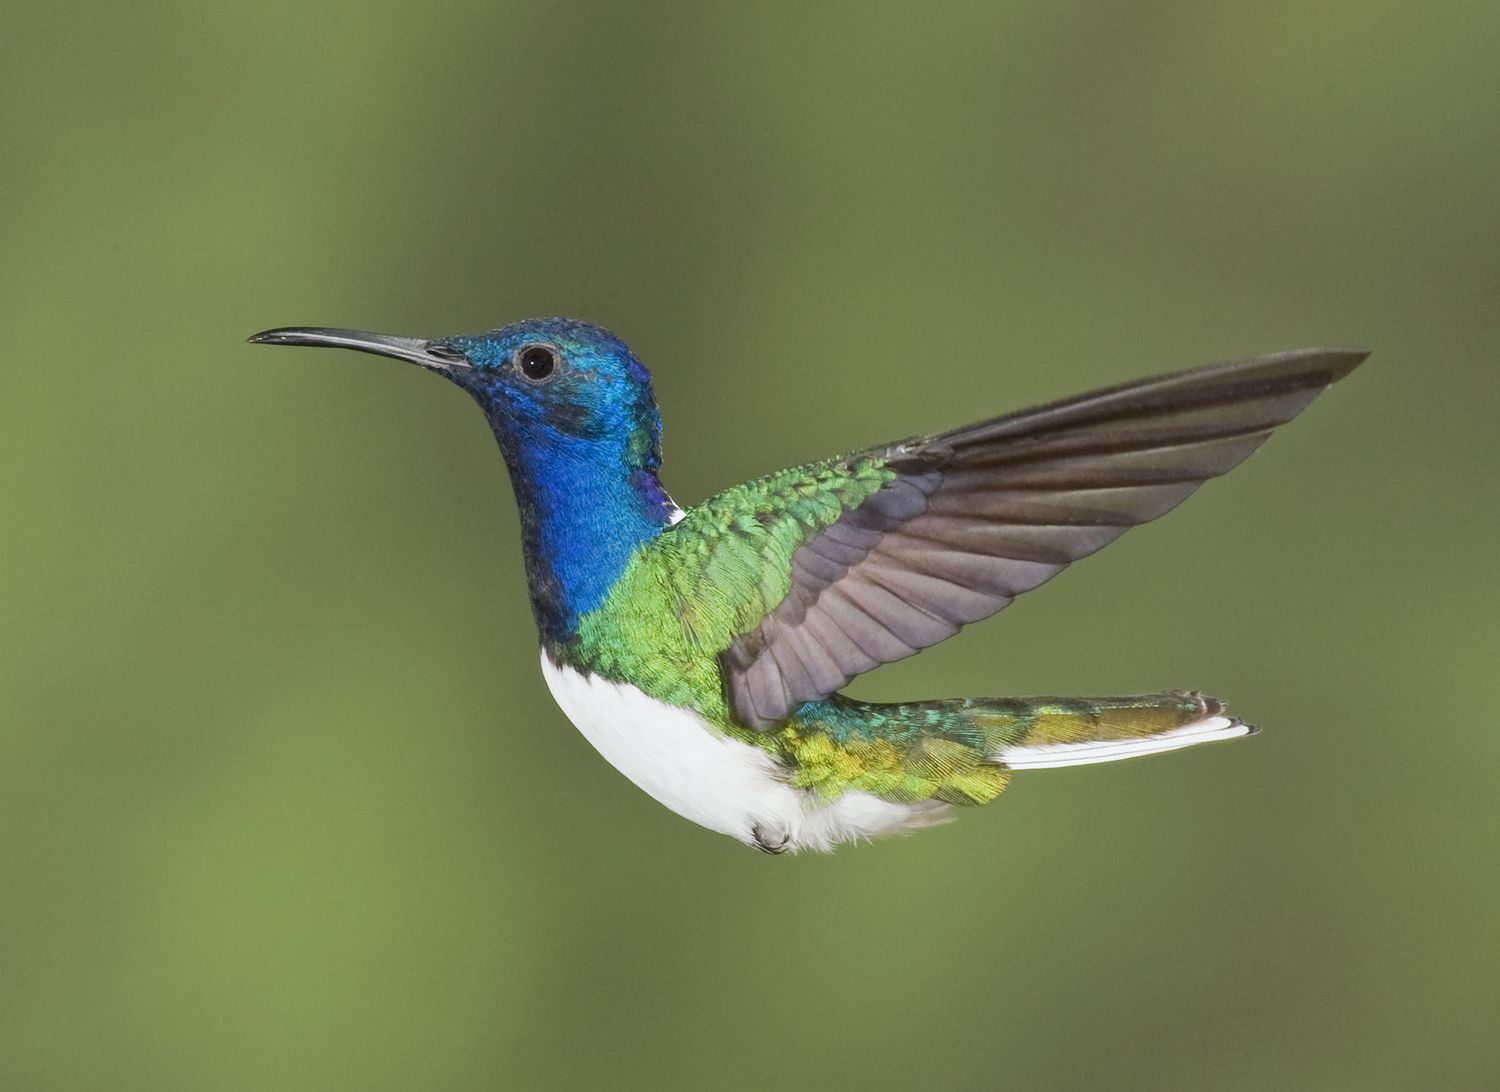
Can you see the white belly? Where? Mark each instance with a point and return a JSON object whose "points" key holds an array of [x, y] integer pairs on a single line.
{"points": [[717, 782]]}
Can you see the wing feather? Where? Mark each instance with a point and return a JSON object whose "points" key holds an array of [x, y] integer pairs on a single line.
{"points": [[870, 558]]}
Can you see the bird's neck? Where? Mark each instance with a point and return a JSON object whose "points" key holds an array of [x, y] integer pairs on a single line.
{"points": [[586, 507]]}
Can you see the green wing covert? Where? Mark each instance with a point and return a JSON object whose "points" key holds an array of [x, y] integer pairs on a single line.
{"points": [[805, 578]]}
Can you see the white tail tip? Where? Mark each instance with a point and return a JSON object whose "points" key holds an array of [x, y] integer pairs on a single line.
{"points": [[1050, 755]]}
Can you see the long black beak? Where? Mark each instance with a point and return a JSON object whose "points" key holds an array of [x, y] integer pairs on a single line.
{"points": [[432, 355]]}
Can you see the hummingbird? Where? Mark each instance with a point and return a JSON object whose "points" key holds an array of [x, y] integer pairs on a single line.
{"points": [[702, 651]]}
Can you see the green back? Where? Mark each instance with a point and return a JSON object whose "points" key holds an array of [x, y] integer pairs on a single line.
{"points": [[711, 577]]}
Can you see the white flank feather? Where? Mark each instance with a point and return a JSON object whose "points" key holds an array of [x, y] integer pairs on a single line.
{"points": [[718, 782]]}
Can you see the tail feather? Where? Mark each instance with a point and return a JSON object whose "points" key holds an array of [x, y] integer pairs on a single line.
{"points": [[963, 751], [875, 769], [1055, 755], [1077, 733]]}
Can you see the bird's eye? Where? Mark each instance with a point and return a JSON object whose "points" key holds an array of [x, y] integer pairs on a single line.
{"points": [[536, 362]]}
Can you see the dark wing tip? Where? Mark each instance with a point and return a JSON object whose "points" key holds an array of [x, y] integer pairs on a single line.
{"points": [[1325, 364], [1337, 360], [1347, 359], [1229, 381]]}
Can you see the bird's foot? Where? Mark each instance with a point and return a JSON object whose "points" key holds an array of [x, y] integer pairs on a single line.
{"points": [[768, 839]]}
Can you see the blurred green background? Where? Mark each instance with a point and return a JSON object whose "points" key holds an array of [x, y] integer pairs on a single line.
{"points": [[284, 803]]}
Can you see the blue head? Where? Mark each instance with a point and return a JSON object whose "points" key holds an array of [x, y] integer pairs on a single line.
{"points": [[559, 390], [575, 417]]}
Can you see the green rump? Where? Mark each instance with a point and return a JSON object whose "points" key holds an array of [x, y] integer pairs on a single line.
{"points": [[713, 576]]}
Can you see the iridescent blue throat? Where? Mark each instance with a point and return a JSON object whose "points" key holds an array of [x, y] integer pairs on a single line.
{"points": [[586, 504]]}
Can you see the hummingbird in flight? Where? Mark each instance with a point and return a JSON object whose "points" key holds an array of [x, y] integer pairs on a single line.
{"points": [[702, 651]]}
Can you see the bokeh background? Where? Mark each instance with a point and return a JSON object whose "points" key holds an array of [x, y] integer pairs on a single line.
{"points": [[284, 803]]}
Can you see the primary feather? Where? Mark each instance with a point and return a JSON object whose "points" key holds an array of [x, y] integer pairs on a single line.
{"points": [[869, 558]]}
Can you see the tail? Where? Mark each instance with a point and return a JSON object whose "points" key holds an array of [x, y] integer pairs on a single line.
{"points": [[963, 751], [889, 769], [1040, 734]]}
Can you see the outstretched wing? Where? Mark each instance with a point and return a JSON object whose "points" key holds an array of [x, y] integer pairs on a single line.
{"points": [[817, 574]]}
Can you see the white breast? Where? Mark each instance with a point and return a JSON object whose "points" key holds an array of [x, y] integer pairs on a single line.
{"points": [[717, 782]]}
